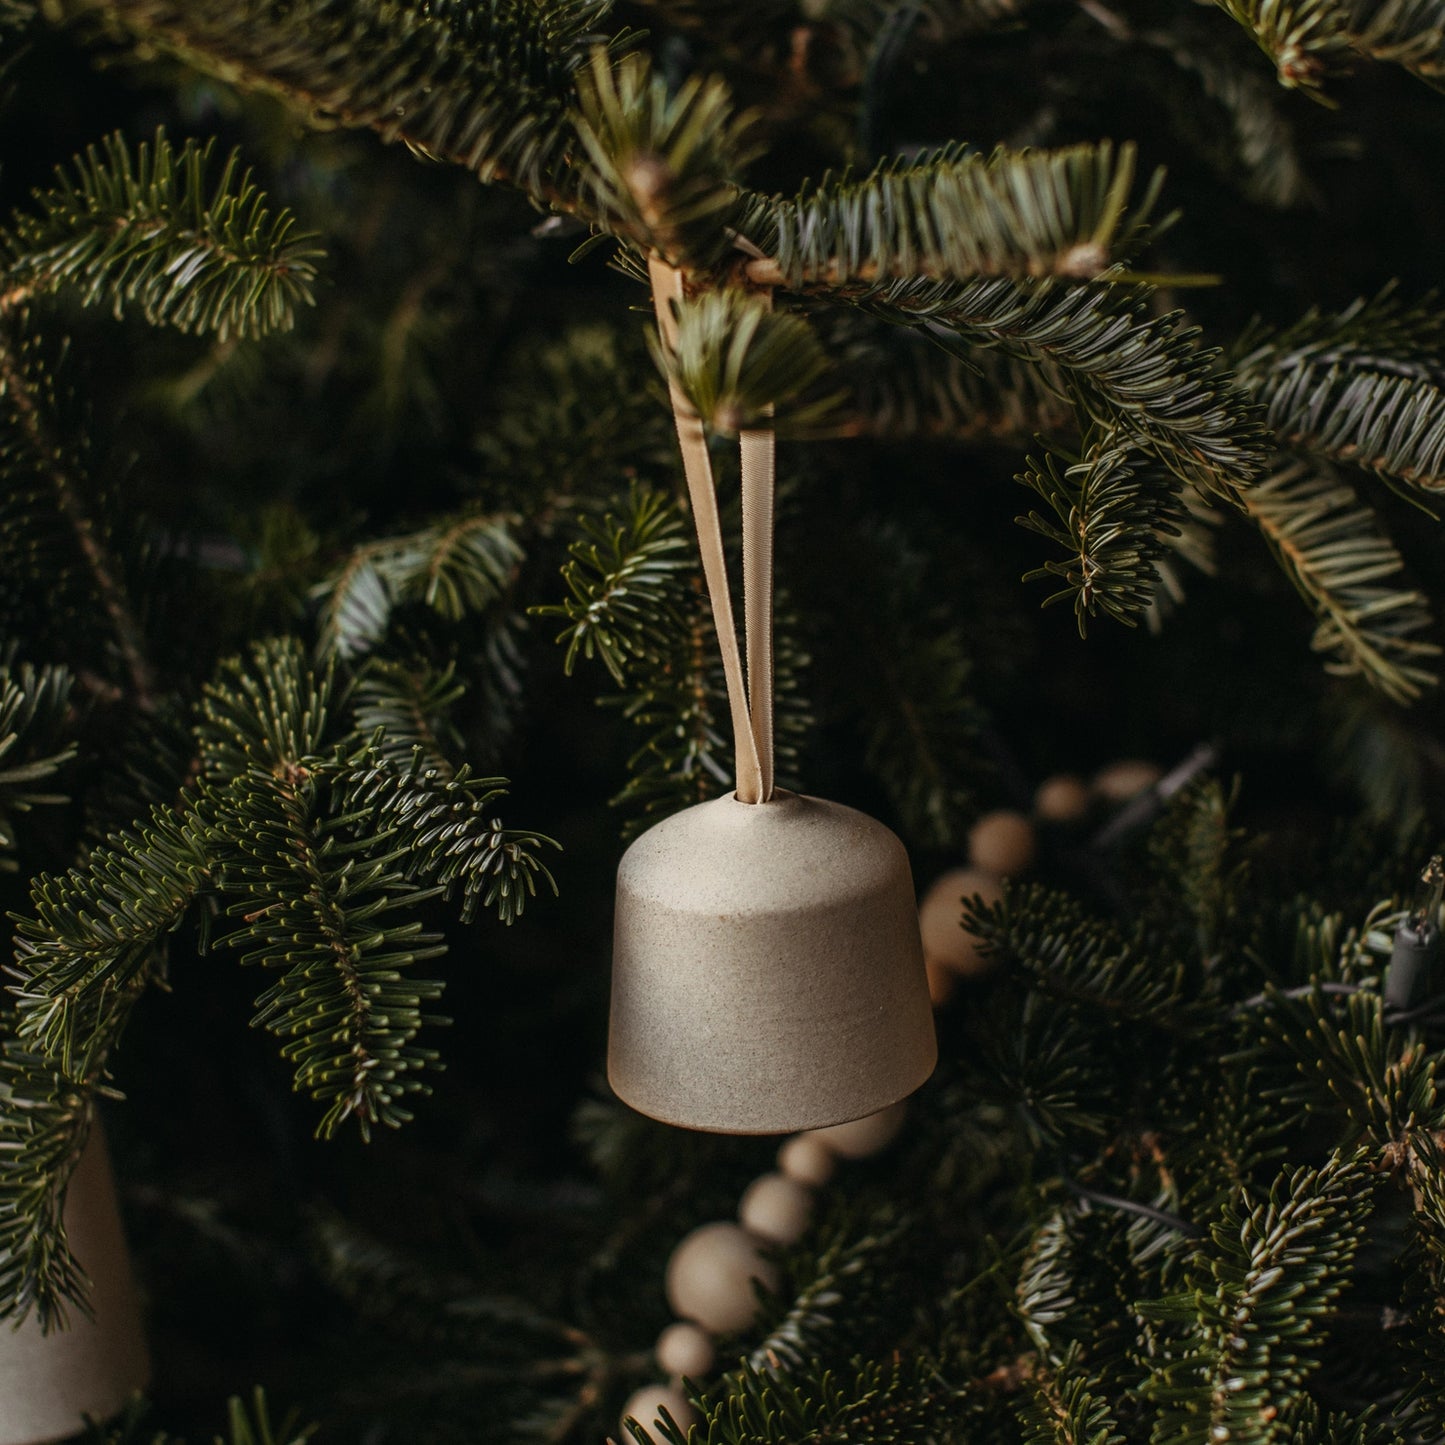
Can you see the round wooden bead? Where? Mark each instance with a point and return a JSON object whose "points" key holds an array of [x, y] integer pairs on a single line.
{"points": [[710, 1278], [775, 1209], [644, 1406], [1001, 843], [807, 1160], [863, 1137], [1062, 799], [684, 1349], [942, 982], [940, 919], [1126, 779]]}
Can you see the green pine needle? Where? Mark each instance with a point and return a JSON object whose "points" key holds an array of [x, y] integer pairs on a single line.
{"points": [[152, 229]]}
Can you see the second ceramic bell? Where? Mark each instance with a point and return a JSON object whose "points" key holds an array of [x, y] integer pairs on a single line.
{"points": [[49, 1383], [767, 969]]}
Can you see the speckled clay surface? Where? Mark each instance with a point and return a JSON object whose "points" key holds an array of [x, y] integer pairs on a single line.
{"points": [[767, 971], [47, 1382]]}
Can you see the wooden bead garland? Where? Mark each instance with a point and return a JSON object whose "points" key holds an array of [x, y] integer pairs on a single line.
{"points": [[710, 1276], [1003, 843]]}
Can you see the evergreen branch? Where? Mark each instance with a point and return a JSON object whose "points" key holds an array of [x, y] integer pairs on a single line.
{"points": [[1256, 147], [80, 962], [488, 86], [1332, 549], [270, 712], [955, 215], [1408, 33], [26, 396], [1365, 385], [153, 231], [1311, 41], [1261, 1300], [831, 1301], [91, 941], [1137, 376], [875, 1404], [903, 387], [580, 406], [1112, 518], [44, 1122], [442, 830], [1069, 956], [629, 580], [1308, 41], [409, 704], [742, 365], [34, 708], [318, 898], [923, 729], [1381, 1082], [1062, 1409], [458, 566], [663, 164]]}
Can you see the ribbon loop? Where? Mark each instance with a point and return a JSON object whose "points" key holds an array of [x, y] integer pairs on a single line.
{"points": [[750, 702]]}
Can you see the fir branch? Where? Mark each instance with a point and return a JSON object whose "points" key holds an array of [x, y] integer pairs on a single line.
{"points": [[903, 387], [1071, 957], [1261, 1301], [1137, 376], [955, 215], [410, 705], [442, 826], [873, 1404], [664, 165], [1381, 1082], [457, 567], [489, 87], [34, 711], [90, 943], [152, 230], [320, 902], [1308, 41], [29, 444], [44, 1122], [629, 580], [1311, 41], [1256, 147], [269, 712], [742, 365], [80, 963], [1330, 546], [1063, 1409], [1113, 518]]}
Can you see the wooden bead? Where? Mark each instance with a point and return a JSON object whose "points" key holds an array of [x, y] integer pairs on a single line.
{"points": [[805, 1159], [940, 919], [1001, 843], [710, 1278], [1126, 779], [942, 982], [684, 1349], [644, 1406], [1062, 799], [775, 1209], [863, 1137]]}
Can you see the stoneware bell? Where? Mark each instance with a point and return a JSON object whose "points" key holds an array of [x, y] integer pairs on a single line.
{"points": [[49, 1382], [767, 970]]}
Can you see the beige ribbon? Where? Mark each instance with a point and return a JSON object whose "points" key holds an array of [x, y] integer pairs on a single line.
{"points": [[750, 703]]}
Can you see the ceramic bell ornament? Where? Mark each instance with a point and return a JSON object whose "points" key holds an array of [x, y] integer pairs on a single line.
{"points": [[50, 1382], [767, 971]]}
